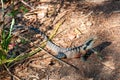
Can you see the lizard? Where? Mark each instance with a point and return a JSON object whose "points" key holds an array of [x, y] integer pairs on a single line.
{"points": [[72, 52]]}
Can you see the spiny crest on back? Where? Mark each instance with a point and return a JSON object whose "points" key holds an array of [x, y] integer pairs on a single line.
{"points": [[89, 43]]}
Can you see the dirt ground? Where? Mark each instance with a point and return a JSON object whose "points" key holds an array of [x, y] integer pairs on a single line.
{"points": [[81, 20]]}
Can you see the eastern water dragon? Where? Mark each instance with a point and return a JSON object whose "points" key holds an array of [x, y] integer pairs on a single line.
{"points": [[81, 51]]}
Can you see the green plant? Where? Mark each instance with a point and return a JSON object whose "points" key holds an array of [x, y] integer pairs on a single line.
{"points": [[24, 9], [5, 41], [23, 41], [13, 13]]}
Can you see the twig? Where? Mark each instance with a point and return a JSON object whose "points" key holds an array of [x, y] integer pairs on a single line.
{"points": [[105, 65], [57, 26], [2, 17], [88, 14], [59, 59], [2, 10], [11, 73], [26, 4]]}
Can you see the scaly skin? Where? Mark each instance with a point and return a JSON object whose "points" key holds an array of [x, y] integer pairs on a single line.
{"points": [[74, 52]]}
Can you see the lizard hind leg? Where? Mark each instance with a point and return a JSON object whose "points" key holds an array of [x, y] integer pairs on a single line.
{"points": [[61, 55]]}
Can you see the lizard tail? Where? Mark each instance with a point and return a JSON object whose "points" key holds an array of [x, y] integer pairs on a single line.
{"points": [[39, 32], [50, 44]]}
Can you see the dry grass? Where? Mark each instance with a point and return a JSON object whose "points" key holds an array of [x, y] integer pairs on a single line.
{"points": [[81, 21]]}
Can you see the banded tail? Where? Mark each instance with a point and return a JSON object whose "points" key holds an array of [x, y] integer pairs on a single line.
{"points": [[49, 44]]}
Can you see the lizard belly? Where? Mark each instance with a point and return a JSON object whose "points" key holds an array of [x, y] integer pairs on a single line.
{"points": [[73, 55]]}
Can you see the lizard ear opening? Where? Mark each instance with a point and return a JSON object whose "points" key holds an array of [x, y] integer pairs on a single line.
{"points": [[61, 55]]}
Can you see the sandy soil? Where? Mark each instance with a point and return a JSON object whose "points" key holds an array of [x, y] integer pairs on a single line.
{"points": [[82, 20]]}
